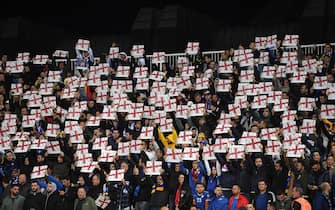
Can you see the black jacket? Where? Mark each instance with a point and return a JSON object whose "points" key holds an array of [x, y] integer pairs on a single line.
{"points": [[52, 202], [67, 200], [159, 198], [34, 201], [185, 198]]}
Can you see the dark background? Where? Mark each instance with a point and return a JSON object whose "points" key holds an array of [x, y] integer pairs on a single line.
{"points": [[42, 27]]}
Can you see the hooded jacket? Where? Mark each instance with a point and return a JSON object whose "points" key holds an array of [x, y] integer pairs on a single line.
{"points": [[52, 201]]}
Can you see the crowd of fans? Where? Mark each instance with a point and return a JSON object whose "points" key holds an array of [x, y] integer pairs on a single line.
{"points": [[211, 180]]}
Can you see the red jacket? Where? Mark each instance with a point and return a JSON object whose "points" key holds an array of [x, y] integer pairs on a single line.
{"points": [[242, 201]]}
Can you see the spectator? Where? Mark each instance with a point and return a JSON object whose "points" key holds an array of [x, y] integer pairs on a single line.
{"points": [[264, 197], [52, 200], [219, 202], [317, 176], [24, 185], [323, 201], [67, 194], [283, 202], [183, 195], [84, 202], [299, 203], [201, 197], [35, 199], [237, 199], [14, 200], [159, 194]]}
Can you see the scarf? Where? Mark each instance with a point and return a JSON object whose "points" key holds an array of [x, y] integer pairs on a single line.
{"points": [[195, 174]]}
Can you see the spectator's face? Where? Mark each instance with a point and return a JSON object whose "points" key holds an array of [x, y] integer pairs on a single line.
{"points": [[235, 190], [4, 58], [281, 197], [330, 161], [211, 65], [250, 207], [315, 167], [81, 181], [66, 182], [195, 165], [22, 179], [278, 167], [295, 193], [262, 186], [200, 188], [24, 111], [218, 191], [327, 48], [34, 187], [316, 156], [40, 158], [124, 166], [115, 134], [95, 181], [159, 180], [181, 179], [258, 162], [299, 166], [15, 190], [81, 193], [49, 188], [9, 156]]}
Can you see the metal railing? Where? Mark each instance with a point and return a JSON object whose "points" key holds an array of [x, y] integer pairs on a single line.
{"points": [[172, 58]]}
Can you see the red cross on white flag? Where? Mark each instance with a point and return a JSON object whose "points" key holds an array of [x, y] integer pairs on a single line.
{"points": [[192, 48], [53, 147], [153, 167], [89, 167], [123, 149], [190, 153], [22, 147], [184, 137], [296, 151], [24, 57], [225, 67], [83, 44], [135, 146], [137, 51], [39, 172], [107, 156], [60, 53], [14, 67], [140, 72], [113, 52], [308, 126], [291, 41], [116, 175], [52, 130], [39, 143], [40, 59], [146, 133], [291, 139], [273, 148], [158, 57], [102, 201], [173, 155], [236, 152]]}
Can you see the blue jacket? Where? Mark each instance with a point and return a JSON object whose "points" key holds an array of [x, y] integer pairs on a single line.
{"points": [[219, 203], [322, 202]]}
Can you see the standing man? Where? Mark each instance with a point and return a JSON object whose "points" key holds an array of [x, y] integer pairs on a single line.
{"points": [[264, 197], [219, 202], [237, 200], [299, 203], [84, 202], [14, 200], [35, 199]]}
